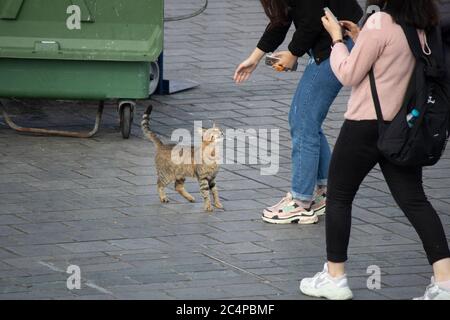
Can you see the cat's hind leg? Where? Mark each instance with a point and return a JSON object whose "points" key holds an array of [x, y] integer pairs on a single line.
{"points": [[162, 184], [204, 190], [215, 193], [179, 187]]}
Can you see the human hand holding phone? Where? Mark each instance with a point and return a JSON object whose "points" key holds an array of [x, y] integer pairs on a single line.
{"points": [[330, 14], [332, 25], [286, 61], [351, 29]]}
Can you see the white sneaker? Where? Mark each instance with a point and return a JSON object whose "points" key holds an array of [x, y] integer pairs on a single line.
{"points": [[322, 285], [434, 292]]}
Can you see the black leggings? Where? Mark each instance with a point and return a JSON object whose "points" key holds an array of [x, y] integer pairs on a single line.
{"points": [[354, 156]]}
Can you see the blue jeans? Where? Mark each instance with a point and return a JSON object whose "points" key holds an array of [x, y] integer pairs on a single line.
{"points": [[311, 153]]}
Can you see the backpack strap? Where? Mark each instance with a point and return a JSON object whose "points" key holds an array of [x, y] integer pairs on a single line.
{"points": [[413, 40], [416, 47], [434, 63], [376, 100]]}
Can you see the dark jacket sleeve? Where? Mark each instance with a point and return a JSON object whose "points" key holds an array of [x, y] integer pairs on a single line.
{"points": [[273, 37], [309, 26]]}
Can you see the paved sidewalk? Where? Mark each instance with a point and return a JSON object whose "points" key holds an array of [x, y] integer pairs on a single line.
{"points": [[93, 203]]}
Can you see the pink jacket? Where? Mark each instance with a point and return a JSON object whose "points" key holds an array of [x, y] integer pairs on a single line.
{"points": [[382, 44]]}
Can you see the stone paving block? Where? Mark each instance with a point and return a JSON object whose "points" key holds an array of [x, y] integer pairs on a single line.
{"points": [[402, 292], [239, 290], [212, 274], [188, 240], [37, 250], [198, 294], [105, 267], [187, 229], [239, 248], [133, 244], [42, 227], [234, 237], [159, 277], [89, 246], [8, 231], [239, 225], [141, 295], [379, 240], [14, 187], [386, 248], [96, 297], [144, 232], [369, 216], [365, 294], [199, 268], [7, 219]]}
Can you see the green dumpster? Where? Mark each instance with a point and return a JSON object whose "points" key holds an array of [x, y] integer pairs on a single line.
{"points": [[81, 49]]}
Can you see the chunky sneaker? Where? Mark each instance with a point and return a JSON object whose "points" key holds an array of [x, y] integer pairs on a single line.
{"points": [[319, 204], [322, 285], [270, 210], [291, 212], [434, 292]]}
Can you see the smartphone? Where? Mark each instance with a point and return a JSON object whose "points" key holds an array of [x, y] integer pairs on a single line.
{"points": [[271, 60], [326, 9]]}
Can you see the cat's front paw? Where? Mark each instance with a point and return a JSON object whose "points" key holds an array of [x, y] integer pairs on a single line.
{"points": [[209, 208], [191, 199], [218, 205], [164, 200]]}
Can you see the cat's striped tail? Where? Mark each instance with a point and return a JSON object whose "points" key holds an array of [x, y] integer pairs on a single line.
{"points": [[145, 126]]}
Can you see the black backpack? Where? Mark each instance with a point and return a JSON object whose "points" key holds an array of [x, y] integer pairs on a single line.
{"points": [[428, 92]]}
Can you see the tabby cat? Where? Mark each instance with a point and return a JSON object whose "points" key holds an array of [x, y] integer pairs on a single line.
{"points": [[170, 171]]}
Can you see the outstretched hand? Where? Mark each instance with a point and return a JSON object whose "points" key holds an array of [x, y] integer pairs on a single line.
{"points": [[244, 70]]}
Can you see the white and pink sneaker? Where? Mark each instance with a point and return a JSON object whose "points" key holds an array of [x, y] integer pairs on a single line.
{"points": [[289, 211]]}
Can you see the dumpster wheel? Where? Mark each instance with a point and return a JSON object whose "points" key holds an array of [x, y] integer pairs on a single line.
{"points": [[60, 133], [126, 110]]}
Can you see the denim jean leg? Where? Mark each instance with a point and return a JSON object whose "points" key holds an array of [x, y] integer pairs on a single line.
{"points": [[325, 151], [316, 92], [324, 161]]}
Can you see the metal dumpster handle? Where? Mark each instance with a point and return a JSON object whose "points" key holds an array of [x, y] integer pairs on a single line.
{"points": [[59, 133], [10, 9]]}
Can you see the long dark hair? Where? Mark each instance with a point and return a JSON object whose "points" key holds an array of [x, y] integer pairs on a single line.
{"points": [[277, 11], [422, 14]]}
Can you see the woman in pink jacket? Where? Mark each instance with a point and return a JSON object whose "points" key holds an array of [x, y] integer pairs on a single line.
{"points": [[381, 44]]}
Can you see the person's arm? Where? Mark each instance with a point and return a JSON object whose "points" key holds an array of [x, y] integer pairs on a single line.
{"points": [[352, 68], [246, 68], [309, 26], [273, 37]]}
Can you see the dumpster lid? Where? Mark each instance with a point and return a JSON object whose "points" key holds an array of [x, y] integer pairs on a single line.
{"points": [[109, 30]]}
